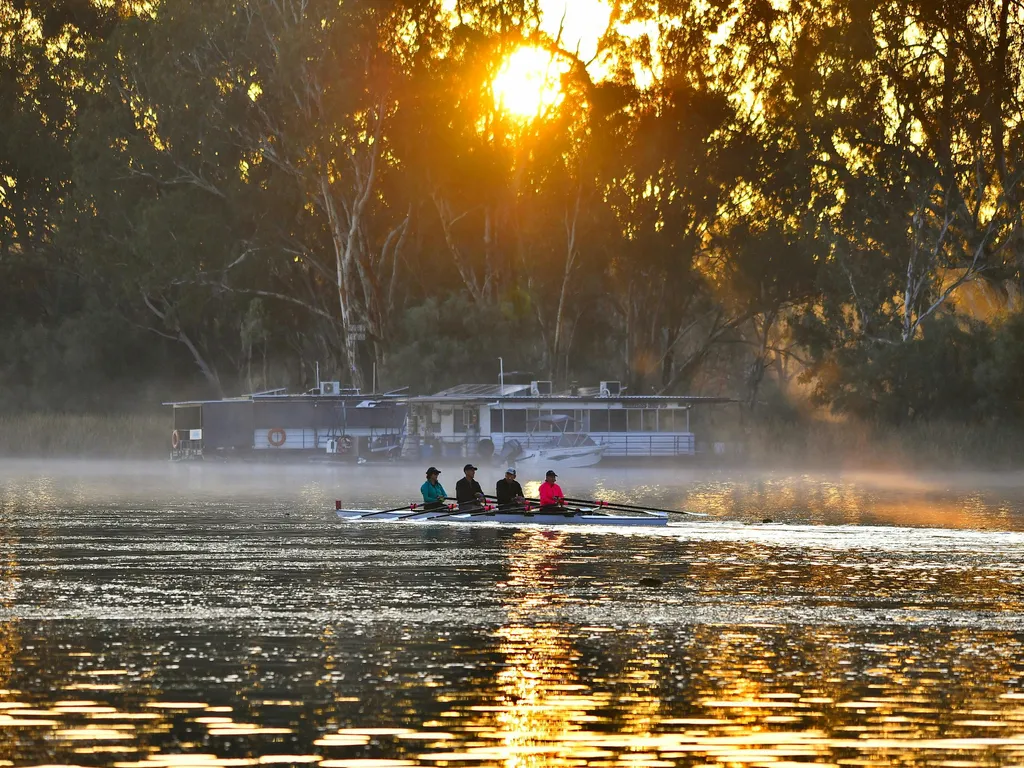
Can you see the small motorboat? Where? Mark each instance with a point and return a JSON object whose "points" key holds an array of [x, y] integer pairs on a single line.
{"points": [[564, 448]]}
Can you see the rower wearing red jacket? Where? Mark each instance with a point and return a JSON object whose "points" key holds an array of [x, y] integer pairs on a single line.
{"points": [[551, 498]]}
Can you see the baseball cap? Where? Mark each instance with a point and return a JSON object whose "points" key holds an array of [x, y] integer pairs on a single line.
{"points": [[433, 471], [511, 471], [550, 473], [468, 467]]}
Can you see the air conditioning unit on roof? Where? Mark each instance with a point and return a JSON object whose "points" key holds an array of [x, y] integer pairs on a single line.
{"points": [[540, 388], [611, 388], [330, 387]]}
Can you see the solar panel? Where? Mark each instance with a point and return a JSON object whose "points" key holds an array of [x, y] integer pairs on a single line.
{"points": [[481, 390]]}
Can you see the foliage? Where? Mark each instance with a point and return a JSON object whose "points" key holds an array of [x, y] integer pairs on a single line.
{"points": [[728, 195], [929, 377], [444, 342]]}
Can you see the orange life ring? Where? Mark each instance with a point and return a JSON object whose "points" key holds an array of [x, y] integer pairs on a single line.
{"points": [[175, 439], [276, 437]]}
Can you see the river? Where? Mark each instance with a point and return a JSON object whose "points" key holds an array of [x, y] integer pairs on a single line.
{"points": [[155, 615]]}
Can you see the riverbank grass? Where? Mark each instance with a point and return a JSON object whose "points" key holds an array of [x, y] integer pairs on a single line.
{"points": [[64, 435]]}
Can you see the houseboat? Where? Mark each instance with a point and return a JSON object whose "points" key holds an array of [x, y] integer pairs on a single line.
{"points": [[329, 423], [533, 423]]}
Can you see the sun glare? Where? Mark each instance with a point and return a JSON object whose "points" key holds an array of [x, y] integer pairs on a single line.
{"points": [[529, 82]]}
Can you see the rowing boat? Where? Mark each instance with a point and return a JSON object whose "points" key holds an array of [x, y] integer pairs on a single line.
{"points": [[580, 517]]}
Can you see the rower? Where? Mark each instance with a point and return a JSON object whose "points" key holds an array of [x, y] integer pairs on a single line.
{"points": [[551, 498], [468, 492], [432, 490], [509, 492]]}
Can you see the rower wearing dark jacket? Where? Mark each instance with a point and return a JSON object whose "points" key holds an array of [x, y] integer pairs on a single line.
{"points": [[468, 492], [508, 491]]}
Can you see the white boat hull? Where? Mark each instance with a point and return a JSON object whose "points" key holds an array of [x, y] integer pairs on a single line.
{"points": [[553, 458], [584, 517]]}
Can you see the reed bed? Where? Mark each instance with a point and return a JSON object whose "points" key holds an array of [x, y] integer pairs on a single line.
{"points": [[50, 434]]}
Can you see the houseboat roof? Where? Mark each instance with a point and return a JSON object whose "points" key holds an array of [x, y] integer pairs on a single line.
{"points": [[523, 393], [353, 400], [466, 392]]}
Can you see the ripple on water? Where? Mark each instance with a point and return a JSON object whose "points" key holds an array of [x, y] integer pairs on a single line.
{"points": [[160, 629]]}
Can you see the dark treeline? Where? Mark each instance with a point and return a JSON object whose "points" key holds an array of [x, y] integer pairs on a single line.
{"points": [[207, 196]]}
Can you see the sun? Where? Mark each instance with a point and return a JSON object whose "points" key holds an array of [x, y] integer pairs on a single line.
{"points": [[529, 83]]}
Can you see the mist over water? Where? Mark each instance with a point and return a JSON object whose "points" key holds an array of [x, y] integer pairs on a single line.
{"points": [[155, 614], [940, 499]]}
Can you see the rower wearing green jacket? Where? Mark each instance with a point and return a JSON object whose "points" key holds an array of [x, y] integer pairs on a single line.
{"points": [[433, 492]]}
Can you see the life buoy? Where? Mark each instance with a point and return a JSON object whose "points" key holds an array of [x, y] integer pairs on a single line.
{"points": [[344, 444], [276, 437], [175, 439]]}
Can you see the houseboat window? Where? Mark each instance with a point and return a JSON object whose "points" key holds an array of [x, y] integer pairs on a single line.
{"points": [[465, 419], [666, 420], [515, 420], [616, 420], [650, 420], [496, 421], [599, 421], [635, 420]]}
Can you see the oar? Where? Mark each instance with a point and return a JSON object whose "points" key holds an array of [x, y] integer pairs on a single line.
{"points": [[649, 510], [653, 511], [384, 511], [487, 510], [418, 512], [535, 502], [454, 510], [533, 508]]}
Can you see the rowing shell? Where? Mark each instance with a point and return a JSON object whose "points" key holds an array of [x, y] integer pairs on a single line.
{"points": [[583, 517]]}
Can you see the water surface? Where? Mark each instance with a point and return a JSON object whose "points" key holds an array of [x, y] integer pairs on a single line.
{"points": [[156, 614]]}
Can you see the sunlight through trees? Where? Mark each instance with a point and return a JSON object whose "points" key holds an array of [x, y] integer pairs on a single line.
{"points": [[762, 200]]}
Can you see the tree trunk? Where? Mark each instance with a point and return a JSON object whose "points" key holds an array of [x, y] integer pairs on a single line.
{"points": [[476, 290], [343, 255], [760, 363], [177, 333], [570, 262]]}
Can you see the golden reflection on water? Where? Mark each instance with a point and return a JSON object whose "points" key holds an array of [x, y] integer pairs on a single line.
{"points": [[848, 499], [547, 690], [762, 696], [541, 699], [544, 712], [738, 719], [10, 647]]}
